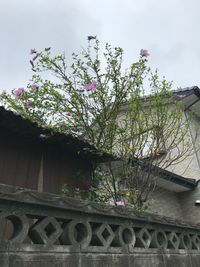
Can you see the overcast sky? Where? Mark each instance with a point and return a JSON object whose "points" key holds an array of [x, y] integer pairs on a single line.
{"points": [[168, 29]]}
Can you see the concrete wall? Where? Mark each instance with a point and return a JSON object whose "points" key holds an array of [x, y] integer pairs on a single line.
{"points": [[58, 257], [52, 231]]}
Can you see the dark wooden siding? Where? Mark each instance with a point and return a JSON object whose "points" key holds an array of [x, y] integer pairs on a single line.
{"points": [[63, 167], [19, 161]]}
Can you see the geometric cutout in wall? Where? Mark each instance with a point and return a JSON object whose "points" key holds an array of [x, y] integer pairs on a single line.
{"points": [[46, 231]]}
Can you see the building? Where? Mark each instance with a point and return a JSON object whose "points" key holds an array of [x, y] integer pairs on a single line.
{"points": [[177, 189], [35, 158], [179, 196]]}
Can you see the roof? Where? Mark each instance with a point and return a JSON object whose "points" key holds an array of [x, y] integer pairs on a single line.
{"points": [[18, 125], [187, 183], [179, 94], [185, 92], [187, 89], [177, 179], [191, 98]]}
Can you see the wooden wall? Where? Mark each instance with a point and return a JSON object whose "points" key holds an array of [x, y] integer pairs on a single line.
{"points": [[19, 161], [30, 164], [60, 167]]}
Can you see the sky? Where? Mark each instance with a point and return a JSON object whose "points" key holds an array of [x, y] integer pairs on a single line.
{"points": [[168, 29]]}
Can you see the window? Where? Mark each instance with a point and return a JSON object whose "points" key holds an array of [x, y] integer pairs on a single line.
{"points": [[149, 143]]}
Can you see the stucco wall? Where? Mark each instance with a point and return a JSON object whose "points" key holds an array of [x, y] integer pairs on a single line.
{"points": [[178, 205], [190, 211], [189, 165], [182, 205], [166, 203]]}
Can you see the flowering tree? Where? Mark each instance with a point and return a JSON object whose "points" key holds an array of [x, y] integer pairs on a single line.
{"points": [[103, 103]]}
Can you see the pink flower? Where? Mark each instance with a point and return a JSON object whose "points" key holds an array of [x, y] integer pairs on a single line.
{"points": [[3, 93], [18, 92], [91, 86], [120, 203], [182, 96], [34, 87], [28, 104], [144, 53], [33, 51]]}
